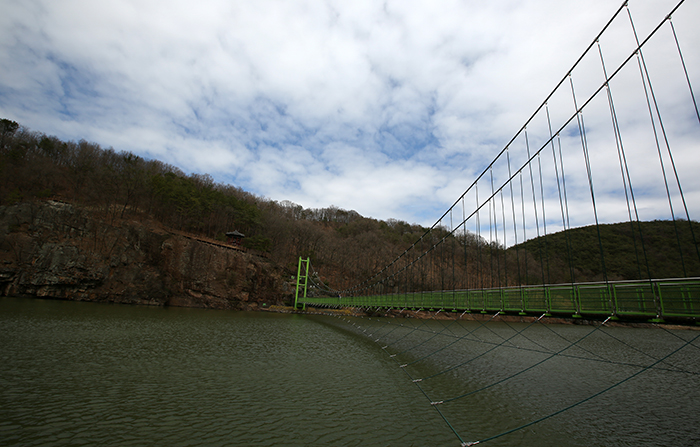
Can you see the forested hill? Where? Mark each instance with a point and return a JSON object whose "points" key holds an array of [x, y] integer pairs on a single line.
{"points": [[638, 250], [120, 186], [345, 247]]}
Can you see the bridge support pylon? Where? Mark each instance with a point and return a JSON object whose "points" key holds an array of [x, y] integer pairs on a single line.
{"points": [[302, 282]]}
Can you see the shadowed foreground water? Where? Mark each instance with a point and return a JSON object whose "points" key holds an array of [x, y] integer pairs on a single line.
{"points": [[94, 374]]}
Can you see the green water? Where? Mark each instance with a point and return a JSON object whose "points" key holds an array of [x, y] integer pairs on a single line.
{"points": [[93, 374]]}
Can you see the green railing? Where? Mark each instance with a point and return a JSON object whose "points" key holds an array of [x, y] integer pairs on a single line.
{"points": [[656, 299]]}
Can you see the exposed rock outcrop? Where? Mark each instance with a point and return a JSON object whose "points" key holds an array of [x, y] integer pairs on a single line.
{"points": [[57, 250]]}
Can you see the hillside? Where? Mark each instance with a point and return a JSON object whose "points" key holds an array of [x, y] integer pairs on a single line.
{"points": [[142, 207], [56, 250], [114, 187], [630, 251]]}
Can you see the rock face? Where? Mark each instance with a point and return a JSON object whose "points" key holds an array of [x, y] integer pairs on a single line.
{"points": [[56, 250]]}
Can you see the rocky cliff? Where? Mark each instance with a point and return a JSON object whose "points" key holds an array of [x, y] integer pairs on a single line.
{"points": [[57, 250]]}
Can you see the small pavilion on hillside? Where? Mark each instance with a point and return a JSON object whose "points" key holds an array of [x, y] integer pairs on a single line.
{"points": [[234, 238]]}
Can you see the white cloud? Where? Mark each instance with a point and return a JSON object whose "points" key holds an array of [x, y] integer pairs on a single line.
{"points": [[388, 108]]}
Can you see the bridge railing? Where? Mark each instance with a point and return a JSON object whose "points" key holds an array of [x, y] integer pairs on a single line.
{"points": [[652, 299]]}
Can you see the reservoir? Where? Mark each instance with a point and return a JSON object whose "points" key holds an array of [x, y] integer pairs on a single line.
{"points": [[74, 374]]}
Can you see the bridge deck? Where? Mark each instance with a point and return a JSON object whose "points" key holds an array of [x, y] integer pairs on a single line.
{"points": [[656, 299]]}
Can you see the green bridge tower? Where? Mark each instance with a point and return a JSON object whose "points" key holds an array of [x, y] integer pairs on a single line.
{"points": [[302, 281]]}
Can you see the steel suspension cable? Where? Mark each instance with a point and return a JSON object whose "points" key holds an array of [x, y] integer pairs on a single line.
{"points": [[695, 104], [567, 236], [551, 356], [444, 418], [522, 208], [628, 378], [543, 350], [452, 343], [479, 268], [624, 170], [644, 72], [685, 70], [464, 244], [495, 223], [435, 334], [515, 221], [491, 233], [534, 203], [534, 199], [544, 221], [584, 145], [505, 242]]}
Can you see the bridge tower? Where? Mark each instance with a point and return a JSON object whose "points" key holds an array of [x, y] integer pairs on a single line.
{"points": [[302, 281]]}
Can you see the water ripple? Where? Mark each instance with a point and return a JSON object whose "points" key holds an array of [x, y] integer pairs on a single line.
{"points": [[75, 374]]}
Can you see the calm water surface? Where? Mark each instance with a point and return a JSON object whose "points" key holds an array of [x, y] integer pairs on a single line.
{"points": [[94, 374]]}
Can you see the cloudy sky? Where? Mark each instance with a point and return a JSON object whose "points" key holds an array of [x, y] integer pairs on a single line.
{"points": [[388, 108]]}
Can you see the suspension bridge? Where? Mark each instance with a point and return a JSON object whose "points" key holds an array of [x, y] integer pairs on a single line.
{"points": [[610, 143], [598, 149]]}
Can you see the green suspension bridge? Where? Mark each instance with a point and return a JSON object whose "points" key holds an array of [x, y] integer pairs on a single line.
{"points": [[608, 144], [597, 147]]}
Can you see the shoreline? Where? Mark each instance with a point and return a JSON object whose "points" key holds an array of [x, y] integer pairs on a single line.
{"points": [[420, 314]]}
